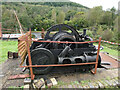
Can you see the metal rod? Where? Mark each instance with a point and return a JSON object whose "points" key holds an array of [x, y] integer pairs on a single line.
{"points": [[59, 65], [21, 29], [97, 55], [61, 41], [29, 58]]}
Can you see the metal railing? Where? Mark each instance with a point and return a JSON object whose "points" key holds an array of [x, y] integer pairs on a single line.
{"points": [[27, 42]]}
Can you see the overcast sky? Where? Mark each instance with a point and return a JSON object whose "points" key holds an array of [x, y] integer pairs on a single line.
{"points": [[104, 3]]}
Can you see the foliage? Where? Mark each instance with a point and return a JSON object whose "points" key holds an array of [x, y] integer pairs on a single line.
{"points": [[70, 14], [34, 15], [116, 29], [107, 35], [53, 17], [79, 20], [60, 17], [94, 15], [107, 18], [37, 15], [60, 4]]}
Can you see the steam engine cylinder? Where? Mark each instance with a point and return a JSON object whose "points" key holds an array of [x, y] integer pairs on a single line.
{"points": [[78, 59]]}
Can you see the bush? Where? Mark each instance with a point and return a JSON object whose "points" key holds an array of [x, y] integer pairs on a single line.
{"points": [[107, 35]]}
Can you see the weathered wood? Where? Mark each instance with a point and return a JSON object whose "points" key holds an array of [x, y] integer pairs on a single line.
{"points": [[23, 58], [22, 37], [21, 51], [22, 45]]}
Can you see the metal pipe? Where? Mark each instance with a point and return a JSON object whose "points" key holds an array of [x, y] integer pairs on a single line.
{"points": [[59, 65], [97, 55], [29, 58], [62, 41]]}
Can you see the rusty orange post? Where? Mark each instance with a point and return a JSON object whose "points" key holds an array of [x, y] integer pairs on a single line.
{"points": [[30, 33], [97, 55], [42, 33], [0, 30], [94, 72], [29, 58], [30, 29]]}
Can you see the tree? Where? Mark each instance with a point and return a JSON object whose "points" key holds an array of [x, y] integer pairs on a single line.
{"points": [[70, 14], [113, 15], [107, 35], [107, 18], [79, 20], [117, 29], [100, 31], [94, 15], [60, 17], [53, 17]]}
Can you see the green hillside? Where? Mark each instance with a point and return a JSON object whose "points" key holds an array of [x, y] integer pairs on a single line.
{"points": [[37, 15]]}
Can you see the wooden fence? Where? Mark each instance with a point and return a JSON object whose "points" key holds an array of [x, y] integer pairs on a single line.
{"points": [[22, 45]]}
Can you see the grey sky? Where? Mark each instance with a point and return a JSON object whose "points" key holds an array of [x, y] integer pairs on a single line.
{"points": [[104, 3]]}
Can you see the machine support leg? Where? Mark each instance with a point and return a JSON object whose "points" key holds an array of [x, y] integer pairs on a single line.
{"points": [[29, 58]]}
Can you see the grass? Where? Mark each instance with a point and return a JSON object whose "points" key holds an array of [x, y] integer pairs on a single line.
{"points": [[6, 46], [15, 88], [111, 49]]}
